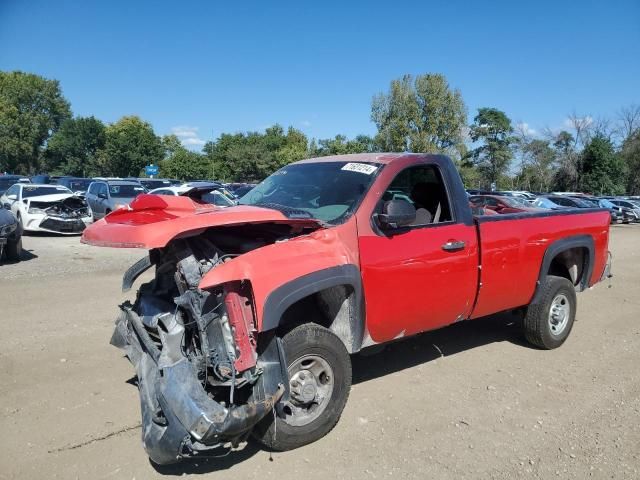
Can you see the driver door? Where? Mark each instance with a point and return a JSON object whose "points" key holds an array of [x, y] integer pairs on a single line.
{"points": [[423, 276], [100, 200]]}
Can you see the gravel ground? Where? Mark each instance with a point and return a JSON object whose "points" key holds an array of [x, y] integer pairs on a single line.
{"points": [[471, 400]]}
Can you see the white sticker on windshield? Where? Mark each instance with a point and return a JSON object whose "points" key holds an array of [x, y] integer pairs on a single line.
{"points": [[360, 168]]}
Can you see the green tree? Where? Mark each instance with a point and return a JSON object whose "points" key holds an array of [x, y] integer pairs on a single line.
{"points": [[171, 144], [539, 170], [186, 165], [130, 145], [341, 145], [421, 115], [630, 154], [493, 129], [73, 149], [604, 172], [31, 109], [569, 169], [253, 156]]}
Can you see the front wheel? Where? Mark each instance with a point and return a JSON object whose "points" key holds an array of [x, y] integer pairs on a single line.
{"points": [[548, 322], [14, 249], [319, 370]]}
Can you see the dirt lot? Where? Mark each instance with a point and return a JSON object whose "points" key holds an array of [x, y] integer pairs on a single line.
{"points": [[490, 407]]}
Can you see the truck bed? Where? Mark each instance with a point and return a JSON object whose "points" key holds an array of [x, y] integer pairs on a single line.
{"points": [[512, 252]]}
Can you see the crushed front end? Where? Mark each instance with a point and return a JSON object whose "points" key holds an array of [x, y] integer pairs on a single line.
{"points": [[68, 216], [204, 378]]}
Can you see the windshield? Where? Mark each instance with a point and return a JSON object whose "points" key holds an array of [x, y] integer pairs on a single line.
{"points": [[590, 202], [217, 198], [151, 184], [515, 202], [79, 185], [29, 191], [328, 191], [582, 203], [125, 191], [544, 203]]}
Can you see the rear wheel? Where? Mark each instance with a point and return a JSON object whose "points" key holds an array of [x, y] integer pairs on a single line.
{"points": [[319, 370], [548, 322]]}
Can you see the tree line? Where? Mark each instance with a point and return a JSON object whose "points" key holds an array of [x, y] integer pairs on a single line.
{"points": [[38, 133]]}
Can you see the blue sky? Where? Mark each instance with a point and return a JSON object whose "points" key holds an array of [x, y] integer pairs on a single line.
{"points": [[202, 68]]}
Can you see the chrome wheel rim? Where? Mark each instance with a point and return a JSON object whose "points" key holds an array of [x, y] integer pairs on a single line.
{"points": [[310, 387], [559, 314]]}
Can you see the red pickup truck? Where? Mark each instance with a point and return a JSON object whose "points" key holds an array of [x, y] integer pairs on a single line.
{"points": [[253, 311]]}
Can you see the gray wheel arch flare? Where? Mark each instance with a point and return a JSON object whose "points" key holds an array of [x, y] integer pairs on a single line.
{"points": [[280, 299]]}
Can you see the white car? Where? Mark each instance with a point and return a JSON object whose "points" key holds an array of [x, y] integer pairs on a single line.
{"points": [[210, 193], [47, 208]]}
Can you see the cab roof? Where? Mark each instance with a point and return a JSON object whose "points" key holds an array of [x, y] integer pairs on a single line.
{"points": [[380, 158]]}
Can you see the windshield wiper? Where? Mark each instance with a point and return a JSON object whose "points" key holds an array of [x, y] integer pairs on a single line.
{"points": [[290, 212]]}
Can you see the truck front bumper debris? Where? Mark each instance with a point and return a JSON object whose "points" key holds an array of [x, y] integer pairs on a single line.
{"points": [[179, 418]]}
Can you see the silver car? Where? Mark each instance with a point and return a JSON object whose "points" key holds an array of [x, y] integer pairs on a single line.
{"points": [[105, 196]]}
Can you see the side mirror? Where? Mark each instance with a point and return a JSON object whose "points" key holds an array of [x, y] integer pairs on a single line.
{"points": [[102, 195], [396, 213], [7, 206]]}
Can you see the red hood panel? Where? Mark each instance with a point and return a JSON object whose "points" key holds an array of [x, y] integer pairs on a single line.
{"points": [[151, 221]]}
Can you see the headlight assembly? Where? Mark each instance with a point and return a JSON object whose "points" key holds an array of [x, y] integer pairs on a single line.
{"points": [[8, 229]]}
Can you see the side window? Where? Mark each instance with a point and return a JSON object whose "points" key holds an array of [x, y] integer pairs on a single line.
{"points": [[424, 188], [93, 189], [491, 202], [563, 202], [164, 192], [102, 188]]}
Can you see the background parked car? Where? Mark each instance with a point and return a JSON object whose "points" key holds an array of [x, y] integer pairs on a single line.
{"points": [[151, 183], [105, 196], [210, 193], [240, 189], [629, 207], [7, 181], [10, 236], [77, 185], [545, 202], [519, 193], [595, 202], [500, 204], [49, 208], [565, 201]]}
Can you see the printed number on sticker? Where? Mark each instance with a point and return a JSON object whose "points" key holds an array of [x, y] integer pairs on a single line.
{"points": [[360, 168]]}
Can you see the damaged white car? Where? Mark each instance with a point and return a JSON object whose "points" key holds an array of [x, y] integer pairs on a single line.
{"points": [[47, 208]]}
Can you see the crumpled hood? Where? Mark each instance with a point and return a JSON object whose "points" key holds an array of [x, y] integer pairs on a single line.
{"points": [[51, 198], [152, 221]]}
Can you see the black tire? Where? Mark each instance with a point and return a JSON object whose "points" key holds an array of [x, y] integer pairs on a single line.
{"points": [[315, 340], [14, 249], [19, 219], [541, 328]]}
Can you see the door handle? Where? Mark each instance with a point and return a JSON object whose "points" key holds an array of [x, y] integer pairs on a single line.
{"points": [[453, 245]]}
